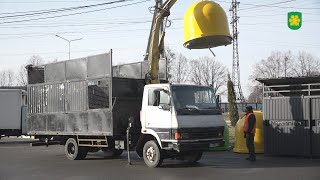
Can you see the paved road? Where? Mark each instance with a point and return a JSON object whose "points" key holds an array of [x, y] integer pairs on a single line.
{"points": [[20, 161]]}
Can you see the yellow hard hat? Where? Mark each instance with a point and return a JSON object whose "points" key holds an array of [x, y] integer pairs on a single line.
{"points": [[206, 26]]}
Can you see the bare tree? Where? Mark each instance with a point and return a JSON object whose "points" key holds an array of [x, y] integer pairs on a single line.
{"points": [[278, 64], [23, 74], [285, 64], [209, 72], [7, 78], [171, 57], [282, 64], [180, 70], [256, 94], [306, 65]]}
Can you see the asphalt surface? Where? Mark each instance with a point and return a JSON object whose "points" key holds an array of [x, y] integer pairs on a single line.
{"points": [[21, 161]]}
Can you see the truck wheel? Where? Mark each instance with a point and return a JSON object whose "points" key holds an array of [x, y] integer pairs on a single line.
{"points": [[73, 151], [193, 157], [152, 154]]}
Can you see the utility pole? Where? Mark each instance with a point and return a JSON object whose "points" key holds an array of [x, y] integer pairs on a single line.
{"points": [[69, 41], [235, 58]]}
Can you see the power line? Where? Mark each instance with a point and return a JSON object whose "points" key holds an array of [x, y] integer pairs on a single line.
{"points": [[263, 5], [85, 12], [45, 10], [32, 2], [92, 23], [55, 52], [41, 12], [272, 5], [113, 28]]}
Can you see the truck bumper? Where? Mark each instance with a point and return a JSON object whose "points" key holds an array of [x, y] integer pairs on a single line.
{"points": [[197, 146]]}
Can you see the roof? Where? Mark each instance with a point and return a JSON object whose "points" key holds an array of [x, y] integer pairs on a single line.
{"points": [[290, 80]]}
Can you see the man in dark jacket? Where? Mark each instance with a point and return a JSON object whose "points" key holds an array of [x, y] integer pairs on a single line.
{"points": [[249, 129]]}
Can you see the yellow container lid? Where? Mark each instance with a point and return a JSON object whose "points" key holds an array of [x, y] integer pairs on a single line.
{"points": [[206, 26]]}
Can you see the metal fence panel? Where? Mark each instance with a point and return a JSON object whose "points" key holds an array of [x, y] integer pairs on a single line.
{"points": [[76, 69], [55, 72], [38, 99], [294, 108], [145, 68], [131, 70], [315, 103], [99, 65], [55, 97], [286, 127], [138, 70], [37, 123], [76, 99]]}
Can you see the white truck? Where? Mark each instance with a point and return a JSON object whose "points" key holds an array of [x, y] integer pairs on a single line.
{"points": [[89, 109], [179, 121]]}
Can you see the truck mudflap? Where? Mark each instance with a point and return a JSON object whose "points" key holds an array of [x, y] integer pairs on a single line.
{"points": [[197, 146]]}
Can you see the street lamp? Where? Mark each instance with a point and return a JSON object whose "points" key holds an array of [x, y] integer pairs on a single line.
{"points": [[69, 41]]}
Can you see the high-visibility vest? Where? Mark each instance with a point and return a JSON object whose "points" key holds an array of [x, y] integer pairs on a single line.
{"points": [[246, 124]]}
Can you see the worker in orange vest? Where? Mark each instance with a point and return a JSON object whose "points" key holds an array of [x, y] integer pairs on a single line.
{"points": [[249, 129]]}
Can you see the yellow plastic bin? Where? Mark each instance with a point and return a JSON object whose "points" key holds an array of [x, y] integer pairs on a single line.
{"points": [[206, 26], [240, 143]]}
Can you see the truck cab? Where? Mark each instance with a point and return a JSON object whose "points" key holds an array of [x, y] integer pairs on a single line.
{"points": [[179, 121]]}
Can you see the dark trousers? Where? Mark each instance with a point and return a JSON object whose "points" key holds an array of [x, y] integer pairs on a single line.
{"points": [[250, 145]]}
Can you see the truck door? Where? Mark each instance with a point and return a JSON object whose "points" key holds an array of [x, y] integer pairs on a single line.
{"points": [[158, 114]]}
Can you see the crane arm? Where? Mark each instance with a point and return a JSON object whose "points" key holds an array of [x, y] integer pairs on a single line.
{"points": [[155, 42]]}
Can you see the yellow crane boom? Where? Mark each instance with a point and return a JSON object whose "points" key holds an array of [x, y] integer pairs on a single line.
{"points": [[154, 52]]}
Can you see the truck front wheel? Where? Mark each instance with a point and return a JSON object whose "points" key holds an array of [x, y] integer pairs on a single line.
{"points": [[152, 154], [73, 151]]}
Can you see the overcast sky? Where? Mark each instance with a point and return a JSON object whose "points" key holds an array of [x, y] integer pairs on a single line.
{"points": [[262, 26]]}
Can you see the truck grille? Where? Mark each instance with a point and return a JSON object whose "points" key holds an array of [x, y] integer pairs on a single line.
{"points": [[202, 133]]}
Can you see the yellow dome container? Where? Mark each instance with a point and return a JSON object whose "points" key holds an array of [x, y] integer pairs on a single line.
{"points": [[206, 26], [240, 143]]}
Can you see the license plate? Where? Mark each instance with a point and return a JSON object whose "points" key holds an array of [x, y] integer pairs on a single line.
{"points": [[213, 145]]}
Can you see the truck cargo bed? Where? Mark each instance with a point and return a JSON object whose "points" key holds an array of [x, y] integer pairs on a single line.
{"points": [[80, 97]]}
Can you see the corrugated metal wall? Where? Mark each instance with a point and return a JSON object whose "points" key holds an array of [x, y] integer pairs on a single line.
{"points": [[315, 139], [55, 97], [287, 129], [76, 96], [292, 125]]}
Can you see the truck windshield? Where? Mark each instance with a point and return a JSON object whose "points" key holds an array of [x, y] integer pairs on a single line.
{"points": [[194, 99]]}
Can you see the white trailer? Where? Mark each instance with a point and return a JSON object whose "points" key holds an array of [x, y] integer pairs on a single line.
{"points": [[13, 112]]}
